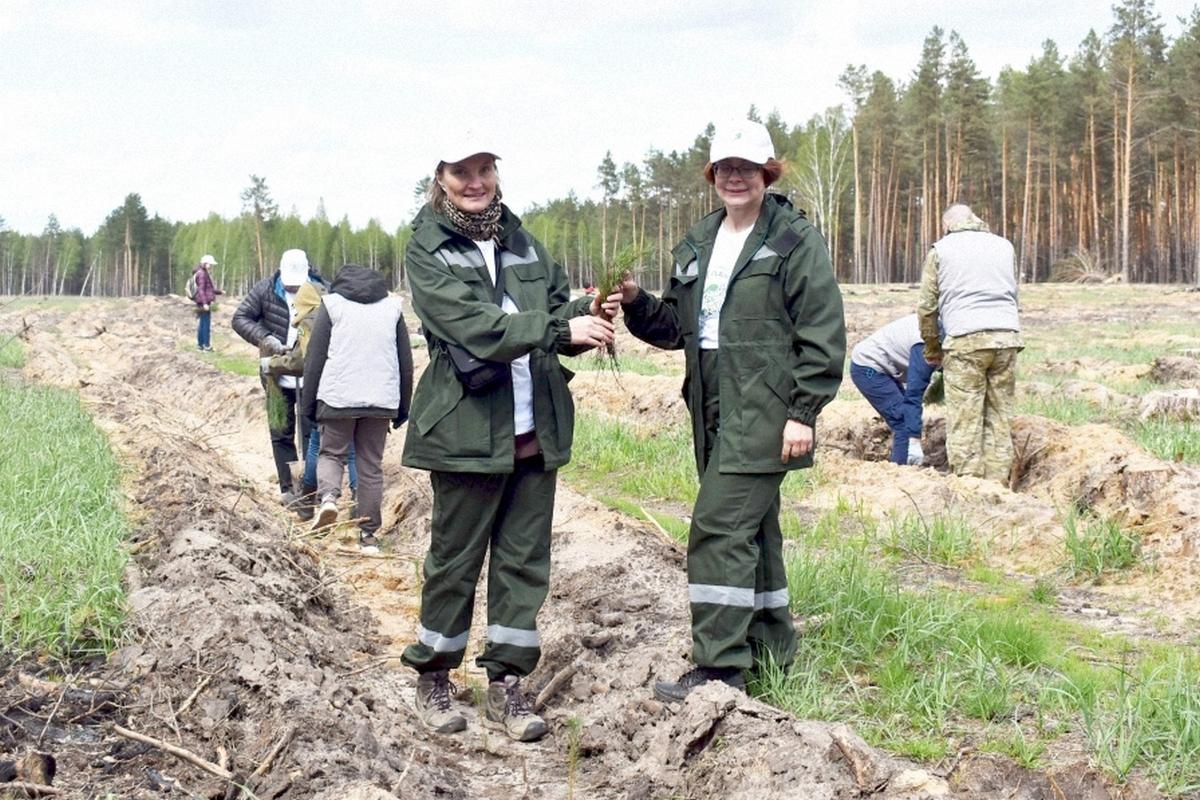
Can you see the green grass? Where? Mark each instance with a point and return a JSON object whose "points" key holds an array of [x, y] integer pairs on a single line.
{"points": [[626, 363], [1096, 545], [1169, 440], [236, 363], [943, 539], [12, 351], [610, 458], [61, 528], [1069, 410]]}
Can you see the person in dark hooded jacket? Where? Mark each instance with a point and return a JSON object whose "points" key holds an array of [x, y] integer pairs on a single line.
{"points": [[264, 319], [358, 375]]}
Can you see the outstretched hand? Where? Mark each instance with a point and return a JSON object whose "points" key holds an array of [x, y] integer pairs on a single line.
{"points": [[591, 331]]}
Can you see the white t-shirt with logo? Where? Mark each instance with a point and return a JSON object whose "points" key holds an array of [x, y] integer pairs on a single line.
{"points": [[522, 380], [726, 250]]}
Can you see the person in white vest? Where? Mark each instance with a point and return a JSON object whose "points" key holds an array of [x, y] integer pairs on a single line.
{"points": [[969, 287], [357, 378], [890, 370]]}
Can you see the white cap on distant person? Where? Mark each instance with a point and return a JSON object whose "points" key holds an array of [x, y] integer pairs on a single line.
{"points": [[207, 260], [293, 267], [742, 139], [461, 144]]}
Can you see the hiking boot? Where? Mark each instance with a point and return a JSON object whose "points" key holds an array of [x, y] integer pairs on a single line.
{"points": [[368, 543], [507, 709], [287, 497], [676, 691], [327, 515], [434, 690]]}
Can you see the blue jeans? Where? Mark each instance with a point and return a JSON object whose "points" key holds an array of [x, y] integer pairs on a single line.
{"points": [[204, 329], [310, 461], [900, 404]]}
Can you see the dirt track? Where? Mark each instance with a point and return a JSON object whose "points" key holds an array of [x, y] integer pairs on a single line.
{"points": [[293, 640]]}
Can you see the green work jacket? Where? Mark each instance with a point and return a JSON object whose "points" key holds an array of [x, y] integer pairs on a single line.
{"points": [[450, 429], [782, 334]]}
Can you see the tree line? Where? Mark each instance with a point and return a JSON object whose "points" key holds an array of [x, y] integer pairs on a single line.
{"points": [[1089, 163]]}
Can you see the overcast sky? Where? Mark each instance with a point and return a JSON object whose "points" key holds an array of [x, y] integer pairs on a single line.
{"points": [[182, 101]]}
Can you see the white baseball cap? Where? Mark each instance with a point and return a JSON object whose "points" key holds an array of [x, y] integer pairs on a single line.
{"points": [[460, 144], [742, 139], [293, 267], [209, 260]]}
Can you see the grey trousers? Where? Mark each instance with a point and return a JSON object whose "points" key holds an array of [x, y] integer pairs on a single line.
{"points": [[369, 435]]}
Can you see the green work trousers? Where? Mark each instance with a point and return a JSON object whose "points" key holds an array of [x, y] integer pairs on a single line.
{"points": [[511, 514], [737, 583]]}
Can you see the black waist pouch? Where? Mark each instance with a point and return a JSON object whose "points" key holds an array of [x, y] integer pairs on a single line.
{"points": [[475, 374]]}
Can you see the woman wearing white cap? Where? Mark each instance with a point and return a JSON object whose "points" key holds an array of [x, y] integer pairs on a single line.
{"points": [[754, 305], [492, 420]]}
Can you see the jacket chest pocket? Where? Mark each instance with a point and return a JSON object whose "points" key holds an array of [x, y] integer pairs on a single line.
{"points": [[474, 278], [756, 292], [527, 285]]}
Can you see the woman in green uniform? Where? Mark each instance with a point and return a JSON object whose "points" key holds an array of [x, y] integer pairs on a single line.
{"points": [[754, 305], [486, 290]]}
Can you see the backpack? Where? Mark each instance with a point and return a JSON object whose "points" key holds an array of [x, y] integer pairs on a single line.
{"points": [[191, 289]]}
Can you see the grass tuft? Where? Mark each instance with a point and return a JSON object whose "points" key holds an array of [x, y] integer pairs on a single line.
{"points": [[1096, 545]]}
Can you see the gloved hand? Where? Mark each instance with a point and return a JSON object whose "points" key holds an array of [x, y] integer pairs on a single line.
{"points": [[270, 346], [204, 307], [916, 456]]}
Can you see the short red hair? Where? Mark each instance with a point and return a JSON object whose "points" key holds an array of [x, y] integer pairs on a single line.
{"points": [[771, 171]]}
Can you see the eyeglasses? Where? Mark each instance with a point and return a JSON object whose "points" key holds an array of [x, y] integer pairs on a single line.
{"points": [[747, 171]]}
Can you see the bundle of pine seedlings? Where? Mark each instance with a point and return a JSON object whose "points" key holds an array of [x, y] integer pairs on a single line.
{"points": [[626, 263]]}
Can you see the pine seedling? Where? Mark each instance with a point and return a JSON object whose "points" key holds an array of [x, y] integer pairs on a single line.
{"points": [[625, 263], [276, 406]]}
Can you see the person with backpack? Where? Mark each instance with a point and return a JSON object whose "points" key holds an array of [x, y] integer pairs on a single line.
{"points": [[264, 319], [358, 376], [202, 291]]}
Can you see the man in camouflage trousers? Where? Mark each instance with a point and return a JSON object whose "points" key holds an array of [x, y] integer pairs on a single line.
{"points": [[969, 284]]}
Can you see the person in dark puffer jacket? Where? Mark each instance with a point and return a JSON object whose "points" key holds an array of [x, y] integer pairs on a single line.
{"points": [[359, 373], [263, 319]]}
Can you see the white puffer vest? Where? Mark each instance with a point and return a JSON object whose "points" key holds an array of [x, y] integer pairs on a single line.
{"points": [[361, 369]]}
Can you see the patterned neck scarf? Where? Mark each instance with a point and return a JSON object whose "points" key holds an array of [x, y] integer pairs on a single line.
{"points": [[480, 226]]}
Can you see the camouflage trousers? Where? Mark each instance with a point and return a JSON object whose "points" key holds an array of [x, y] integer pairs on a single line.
{"points": [[979, 396]]}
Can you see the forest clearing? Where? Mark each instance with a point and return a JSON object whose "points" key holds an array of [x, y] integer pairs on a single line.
{"points": [[959, 638]]}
